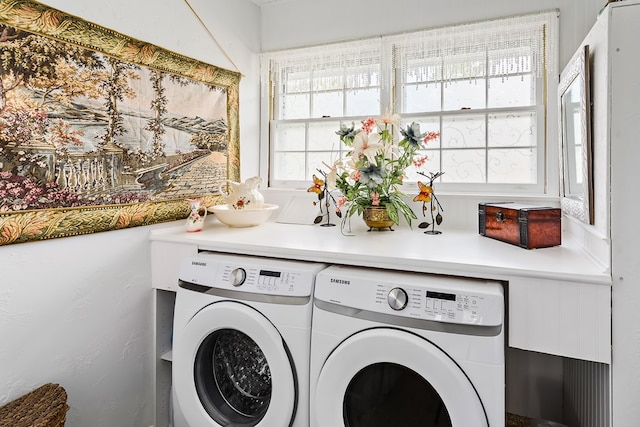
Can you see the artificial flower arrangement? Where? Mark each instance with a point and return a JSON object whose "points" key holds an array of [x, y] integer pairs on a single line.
{"points": [[374, 169]]}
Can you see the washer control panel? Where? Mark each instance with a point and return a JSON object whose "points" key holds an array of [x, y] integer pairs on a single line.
{"points": [[414, 295], [251, 274], [252, 278]]}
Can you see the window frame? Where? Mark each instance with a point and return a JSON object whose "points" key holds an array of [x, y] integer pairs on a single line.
{"points": [[466, 187], [391, 94]]}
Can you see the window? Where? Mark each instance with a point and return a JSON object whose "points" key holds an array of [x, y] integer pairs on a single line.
{"points": [[481, 85], [310, 102]]}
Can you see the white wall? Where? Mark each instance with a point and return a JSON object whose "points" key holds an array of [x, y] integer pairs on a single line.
{"points": [[78, 311]]}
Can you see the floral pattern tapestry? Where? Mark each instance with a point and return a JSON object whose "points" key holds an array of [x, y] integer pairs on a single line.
{"points": [[99, 131]]}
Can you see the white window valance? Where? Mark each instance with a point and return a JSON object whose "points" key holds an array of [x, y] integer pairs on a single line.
{"points": [[523, 43], [517, 44], [359, 60]]}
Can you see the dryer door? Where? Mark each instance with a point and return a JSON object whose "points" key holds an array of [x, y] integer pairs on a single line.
{"points": [[231, 367], [388, 377]]}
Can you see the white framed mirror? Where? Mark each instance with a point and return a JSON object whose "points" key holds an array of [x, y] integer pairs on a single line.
{"points": [[574, 112]]}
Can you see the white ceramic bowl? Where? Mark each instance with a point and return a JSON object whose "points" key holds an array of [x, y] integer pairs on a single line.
{"points": [[248, 217]]}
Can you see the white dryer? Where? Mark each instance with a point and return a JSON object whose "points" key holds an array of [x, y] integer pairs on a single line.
{"points": [[241, 342], [404, 349]]}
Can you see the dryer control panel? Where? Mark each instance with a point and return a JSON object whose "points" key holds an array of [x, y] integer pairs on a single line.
{"points": [[413, 295]]}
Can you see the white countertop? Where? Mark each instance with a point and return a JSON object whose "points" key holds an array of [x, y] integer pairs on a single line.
{"points": [[460, 253]]}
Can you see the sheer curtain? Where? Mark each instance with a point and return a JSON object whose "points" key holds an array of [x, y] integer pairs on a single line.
{"points": [[532, 37], [360, 59], [511, 45]]}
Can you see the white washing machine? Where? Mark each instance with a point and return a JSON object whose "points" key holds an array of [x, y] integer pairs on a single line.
{"points": [[241, 342], [404, 349]]}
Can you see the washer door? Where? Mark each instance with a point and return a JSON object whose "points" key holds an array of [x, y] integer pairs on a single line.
{"points": [[231, 367], [389, 377]]}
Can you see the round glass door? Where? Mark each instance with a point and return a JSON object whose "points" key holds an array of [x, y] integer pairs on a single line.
{"points": [[232, 378], [389, 377], [231, 366], [386, 394]]}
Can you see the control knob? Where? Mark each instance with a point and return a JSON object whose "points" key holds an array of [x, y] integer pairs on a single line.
{"points": [[237, 276], [397, 298]]}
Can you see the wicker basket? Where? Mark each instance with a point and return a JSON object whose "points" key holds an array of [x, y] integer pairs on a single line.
{"points": [[45, 406], [513, 420]]}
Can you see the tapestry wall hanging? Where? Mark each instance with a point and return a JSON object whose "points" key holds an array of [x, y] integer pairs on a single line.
{"points": [[99, 131]]}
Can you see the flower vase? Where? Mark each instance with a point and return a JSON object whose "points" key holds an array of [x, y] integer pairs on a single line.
{"points": [[377, 218], [196, 217]]}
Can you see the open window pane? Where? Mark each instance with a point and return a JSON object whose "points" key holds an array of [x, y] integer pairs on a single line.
{"points": [[422, 97], [464, 94], [363, 102], [295, 106], [509, 92], [328, 104]]}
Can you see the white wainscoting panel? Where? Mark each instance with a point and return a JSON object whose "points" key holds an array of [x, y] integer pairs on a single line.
{"points": [[586, 393], [561, 318]]}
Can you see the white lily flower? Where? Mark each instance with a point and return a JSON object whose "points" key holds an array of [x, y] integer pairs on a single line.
{"points": [[390, 119], [332, 176], [367, 145]]}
